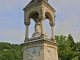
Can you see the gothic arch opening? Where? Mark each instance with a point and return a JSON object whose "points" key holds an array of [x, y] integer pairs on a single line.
{"points": [[34, 15], [47, 28], [47, 22], [49, 16], [31, 28]]}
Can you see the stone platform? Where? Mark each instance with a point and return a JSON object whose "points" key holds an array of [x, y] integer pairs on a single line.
{"points": [[40, 50]]}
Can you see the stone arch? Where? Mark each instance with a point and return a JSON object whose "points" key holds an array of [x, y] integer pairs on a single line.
{"points": [[34, 15], [49, 16], [31, 14]]}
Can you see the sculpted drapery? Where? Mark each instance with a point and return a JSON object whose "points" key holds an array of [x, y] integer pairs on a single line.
{"points": [[37, 33]]}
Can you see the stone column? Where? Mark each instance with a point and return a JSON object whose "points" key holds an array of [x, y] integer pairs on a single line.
{"points": [[27, 31], [52, 30], [42, 27]]}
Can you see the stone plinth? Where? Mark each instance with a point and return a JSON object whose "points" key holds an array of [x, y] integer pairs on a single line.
{"points": [[40, 50]]}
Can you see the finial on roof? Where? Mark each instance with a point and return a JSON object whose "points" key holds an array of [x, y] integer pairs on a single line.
{"points": [[39, 0]]}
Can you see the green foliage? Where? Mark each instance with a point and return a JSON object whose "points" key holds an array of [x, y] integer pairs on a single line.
{"points": [[67, 48], [10, 51], [71, 41], [79, 57], [78, 46], [76, 58]]}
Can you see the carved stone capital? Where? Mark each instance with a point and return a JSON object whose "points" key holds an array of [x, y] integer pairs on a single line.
{"points": [[52, 24], [27, 23], [26, 40], [42, 18]]}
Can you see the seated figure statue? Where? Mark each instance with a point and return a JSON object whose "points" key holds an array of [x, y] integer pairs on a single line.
{"points": [[37, 33]]}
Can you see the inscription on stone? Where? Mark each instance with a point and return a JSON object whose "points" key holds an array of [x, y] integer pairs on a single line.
{"points": [[34, 52]]}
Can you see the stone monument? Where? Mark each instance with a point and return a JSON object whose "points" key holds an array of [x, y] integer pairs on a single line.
{"points": [[39, 46]]}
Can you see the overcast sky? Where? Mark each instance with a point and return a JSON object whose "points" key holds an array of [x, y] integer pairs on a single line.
{"points": [[12, 28]]}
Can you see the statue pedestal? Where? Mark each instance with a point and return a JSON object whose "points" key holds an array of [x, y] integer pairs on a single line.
{"points": [[40, 50]]}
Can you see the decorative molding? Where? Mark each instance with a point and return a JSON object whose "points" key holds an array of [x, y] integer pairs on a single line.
{"points": [[34, 42], [38, 4]]}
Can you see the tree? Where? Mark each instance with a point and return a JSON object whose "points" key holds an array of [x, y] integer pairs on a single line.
{"points": [[10, 51], [78, 46], [79, 57], [71, 41], [65, 48]]}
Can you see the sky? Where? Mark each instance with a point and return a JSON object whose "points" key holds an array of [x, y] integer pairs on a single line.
{"points": [[12, 28]]}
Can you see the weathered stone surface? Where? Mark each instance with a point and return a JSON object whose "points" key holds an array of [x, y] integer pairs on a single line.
{"points": [[39, 46], [40, 50], [37, 33]]}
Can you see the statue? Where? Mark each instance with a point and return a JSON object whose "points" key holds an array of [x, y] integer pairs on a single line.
{"points": [[37, 33]]}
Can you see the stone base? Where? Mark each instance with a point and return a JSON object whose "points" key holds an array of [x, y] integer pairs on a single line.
{"points": [[40, 50]]}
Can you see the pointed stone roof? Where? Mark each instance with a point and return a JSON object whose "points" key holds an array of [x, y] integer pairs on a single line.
{"points": [[32, 2]]}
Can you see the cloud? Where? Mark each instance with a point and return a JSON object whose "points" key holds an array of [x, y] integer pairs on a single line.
{"points": [[76, 36], [67, 17], [12, 35], [68, 26], [6, 5], [66, 6], [11, 19]]}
